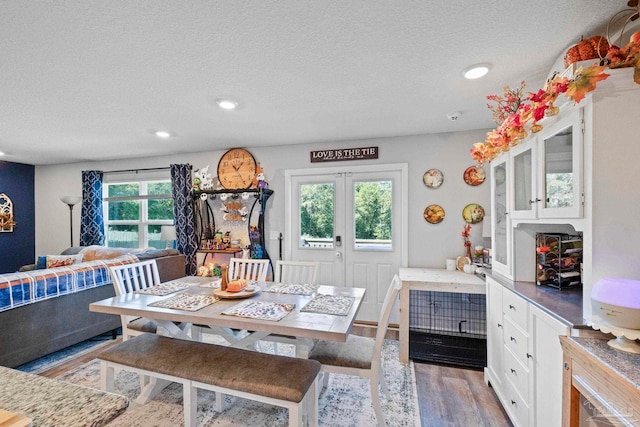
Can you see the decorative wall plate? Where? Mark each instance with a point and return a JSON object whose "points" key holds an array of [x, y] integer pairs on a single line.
{"points": [[434, 214], [474, 175], [433, 178], [473, 213]]}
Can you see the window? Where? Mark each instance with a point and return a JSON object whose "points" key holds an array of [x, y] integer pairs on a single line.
{"points": [[135, 211]]}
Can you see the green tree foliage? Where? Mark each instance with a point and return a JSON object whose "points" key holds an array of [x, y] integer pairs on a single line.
{"points": [[373, 210], [129, 210], [316, 210]]}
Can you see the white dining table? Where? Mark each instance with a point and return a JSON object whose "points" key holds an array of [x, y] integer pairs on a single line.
{"points": [[297, 323]]}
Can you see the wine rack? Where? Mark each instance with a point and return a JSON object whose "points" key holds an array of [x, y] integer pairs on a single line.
{"points": [[558, 260]]}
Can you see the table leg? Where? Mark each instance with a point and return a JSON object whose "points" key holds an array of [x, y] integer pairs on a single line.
{"points": [[404, 324]]}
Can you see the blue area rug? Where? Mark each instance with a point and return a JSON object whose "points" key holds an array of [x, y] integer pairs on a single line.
{"points": [[51, 360]]}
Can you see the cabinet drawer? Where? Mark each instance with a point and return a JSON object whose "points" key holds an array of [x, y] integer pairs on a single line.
{"points": [[516, 340], [517, 373], [516, 407], [516, 308]]}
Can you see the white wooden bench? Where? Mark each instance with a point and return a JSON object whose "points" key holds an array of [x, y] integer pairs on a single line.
{"points": [[277, 380]]}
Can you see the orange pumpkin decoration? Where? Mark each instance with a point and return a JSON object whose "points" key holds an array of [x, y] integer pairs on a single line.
{"points": [[591, 48]]}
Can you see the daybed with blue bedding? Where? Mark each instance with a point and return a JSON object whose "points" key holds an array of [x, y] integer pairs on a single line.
{"points": [[42, 311]]}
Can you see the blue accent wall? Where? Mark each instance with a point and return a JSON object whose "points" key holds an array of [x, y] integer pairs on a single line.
{"points": [[18, 248]]}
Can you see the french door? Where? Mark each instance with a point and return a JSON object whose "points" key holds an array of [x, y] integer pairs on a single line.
{"points": [[352, 221]]}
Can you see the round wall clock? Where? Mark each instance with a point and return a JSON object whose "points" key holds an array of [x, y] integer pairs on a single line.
{"points": [[236, 169]]}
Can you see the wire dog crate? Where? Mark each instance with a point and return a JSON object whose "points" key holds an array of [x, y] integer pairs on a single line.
{"points": [[448, 327]]}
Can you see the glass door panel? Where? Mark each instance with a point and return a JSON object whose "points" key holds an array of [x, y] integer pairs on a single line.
{"points": [[317, 215]]}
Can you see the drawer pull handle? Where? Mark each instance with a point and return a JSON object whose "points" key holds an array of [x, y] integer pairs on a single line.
{"points": [[513, 402], [529, 356], [512, 307], [499, 325], [513, 371], [513, 339]]}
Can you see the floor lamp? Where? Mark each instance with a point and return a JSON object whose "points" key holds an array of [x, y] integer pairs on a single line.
{"points": [[71, 201]]}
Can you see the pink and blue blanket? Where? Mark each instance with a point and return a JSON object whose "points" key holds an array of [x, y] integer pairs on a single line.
{"points": [[17, 289]]}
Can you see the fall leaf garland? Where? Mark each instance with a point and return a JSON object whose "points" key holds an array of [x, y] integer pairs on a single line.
{"points": [[517, 115]]}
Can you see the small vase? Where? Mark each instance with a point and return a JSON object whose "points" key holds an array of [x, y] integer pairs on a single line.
{"points": [[469, 253]]}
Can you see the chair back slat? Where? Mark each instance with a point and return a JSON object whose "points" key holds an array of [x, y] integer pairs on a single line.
{"points": [[383, 323], [129, 278], [299, 272], [250, 269]]}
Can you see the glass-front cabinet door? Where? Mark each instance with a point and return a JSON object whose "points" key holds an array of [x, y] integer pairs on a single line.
{"points": [[524, 200], [501, 224], [560, 168]]}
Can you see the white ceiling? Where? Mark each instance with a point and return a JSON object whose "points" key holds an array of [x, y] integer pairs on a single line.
{"points": [[84, 80]]}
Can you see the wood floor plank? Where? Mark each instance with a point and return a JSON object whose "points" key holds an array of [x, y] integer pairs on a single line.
{"points": [[450, 396]]}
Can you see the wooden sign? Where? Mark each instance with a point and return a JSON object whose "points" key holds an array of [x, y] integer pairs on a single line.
{"points": [[344, 154]]}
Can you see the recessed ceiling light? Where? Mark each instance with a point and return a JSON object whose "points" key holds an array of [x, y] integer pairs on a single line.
{"points": [[226, 104], [1, 153], [476, 71], [162, 134]]}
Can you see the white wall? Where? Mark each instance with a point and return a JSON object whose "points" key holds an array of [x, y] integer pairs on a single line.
{"points": [[429, 244]]}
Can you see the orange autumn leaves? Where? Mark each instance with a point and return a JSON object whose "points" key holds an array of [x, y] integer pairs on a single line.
{"points": [[518, 115], [585, 82]]}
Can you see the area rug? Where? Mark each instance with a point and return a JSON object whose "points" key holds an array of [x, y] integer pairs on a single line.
{"points": [[59, 357], [345, 401]]}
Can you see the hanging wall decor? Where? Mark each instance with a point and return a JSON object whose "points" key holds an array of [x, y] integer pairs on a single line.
{"points": [[6, 214]]}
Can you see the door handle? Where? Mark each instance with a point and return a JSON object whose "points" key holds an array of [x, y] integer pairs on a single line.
{"points": [[338, 254]]}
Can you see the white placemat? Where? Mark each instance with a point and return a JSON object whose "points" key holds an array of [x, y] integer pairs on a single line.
{"points": [[188, 302], [329, 304], [292, 288], [166, 288], [262, 310]]}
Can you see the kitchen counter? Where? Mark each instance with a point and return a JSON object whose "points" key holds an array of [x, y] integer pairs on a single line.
{"points": [[565, 305], [623, 364]]}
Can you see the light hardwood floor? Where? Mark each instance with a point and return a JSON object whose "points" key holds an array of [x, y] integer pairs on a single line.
{"points": [[447, 396]]}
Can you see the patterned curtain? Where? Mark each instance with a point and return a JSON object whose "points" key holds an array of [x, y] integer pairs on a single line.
{"points": [[91, 220], [183, 215]]}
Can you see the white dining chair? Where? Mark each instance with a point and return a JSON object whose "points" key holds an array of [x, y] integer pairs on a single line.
{"points": [[239, 268], [298, 272], [127, 279], [248, 268], [360, 356], [295, 272]]}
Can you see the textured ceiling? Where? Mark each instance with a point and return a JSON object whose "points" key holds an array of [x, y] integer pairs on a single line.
{"points": [[90, 80]]}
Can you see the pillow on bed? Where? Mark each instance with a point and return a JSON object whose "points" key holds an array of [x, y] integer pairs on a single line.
{"points": [[53, 261]]}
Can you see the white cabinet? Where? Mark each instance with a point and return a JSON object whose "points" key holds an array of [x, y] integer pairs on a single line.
{"points": [[501, 225], [524, 200], [524, 358], [493, 372], [547, 170], [560, 147], [546, 367]]}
